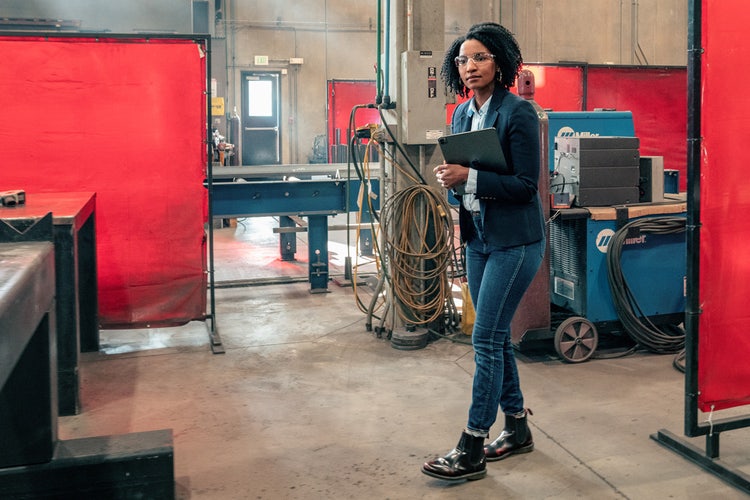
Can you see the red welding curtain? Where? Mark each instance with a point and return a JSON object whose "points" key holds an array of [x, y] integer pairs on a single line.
{"points": [[724, 325], [557, 88], [657, 99], [343, 95], [125, 118]]}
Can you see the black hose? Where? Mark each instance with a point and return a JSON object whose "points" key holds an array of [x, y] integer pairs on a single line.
{"points": [[640, 328]]}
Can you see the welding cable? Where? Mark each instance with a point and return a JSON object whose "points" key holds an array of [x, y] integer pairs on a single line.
{"points": [[351, 158], [452, 316], [389, 156], [556, 173], [679, 361], [640, 328], [365, 202], [418, 251], [361, 168], [414, 169], [425, 294], [554, 185]]}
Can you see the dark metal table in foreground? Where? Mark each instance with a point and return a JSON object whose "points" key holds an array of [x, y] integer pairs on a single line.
{"points": [[74, 237], [28, 409], [33, 462]]}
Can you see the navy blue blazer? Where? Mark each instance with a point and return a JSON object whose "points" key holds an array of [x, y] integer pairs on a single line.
{"points": [[510, 205]]}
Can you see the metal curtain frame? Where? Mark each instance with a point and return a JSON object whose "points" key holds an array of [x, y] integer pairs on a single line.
{"points": [[213, 332], [205, 40], [708, 458]]}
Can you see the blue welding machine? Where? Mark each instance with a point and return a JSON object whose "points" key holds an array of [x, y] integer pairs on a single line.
{"points": [[654, 266], [587, 124]]}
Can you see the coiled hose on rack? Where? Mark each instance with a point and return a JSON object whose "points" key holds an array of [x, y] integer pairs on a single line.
{"points": [[420, 231], [640, 328]]}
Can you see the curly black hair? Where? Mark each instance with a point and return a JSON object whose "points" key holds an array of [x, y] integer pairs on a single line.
{"points": [[499, 41]]}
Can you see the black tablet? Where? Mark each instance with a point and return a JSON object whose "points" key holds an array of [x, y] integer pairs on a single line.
{"points": [[479, 149]]}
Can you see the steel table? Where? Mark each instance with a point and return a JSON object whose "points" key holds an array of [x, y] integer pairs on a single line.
{"points": [[28, 413], [74, 237]]}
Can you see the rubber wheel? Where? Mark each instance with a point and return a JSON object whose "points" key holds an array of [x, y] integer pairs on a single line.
{"points": [[576, 339]]}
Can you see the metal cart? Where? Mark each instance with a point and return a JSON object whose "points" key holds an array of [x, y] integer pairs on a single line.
{"points": [[580, 298]]}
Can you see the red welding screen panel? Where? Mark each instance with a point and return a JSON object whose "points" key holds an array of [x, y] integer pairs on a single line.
{"points": [[557, 88], [343, 96], [657, 97], [125, 118], [724, 343]]}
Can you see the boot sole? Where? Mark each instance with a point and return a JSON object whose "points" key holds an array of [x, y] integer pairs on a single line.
{"points": [[525, 449], [469, 477]]}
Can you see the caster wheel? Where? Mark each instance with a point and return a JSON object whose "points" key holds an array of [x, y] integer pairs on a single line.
{"points": [[576, 339]]}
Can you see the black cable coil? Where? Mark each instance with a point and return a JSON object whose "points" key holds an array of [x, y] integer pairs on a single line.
{"points": [[640, 328]]}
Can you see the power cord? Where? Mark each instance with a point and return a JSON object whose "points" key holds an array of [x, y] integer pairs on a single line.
{"points": [[419, 252], [417, 256], [640, 328]]}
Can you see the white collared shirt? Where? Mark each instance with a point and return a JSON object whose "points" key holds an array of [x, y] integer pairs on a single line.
{"points": [[469, 189]]}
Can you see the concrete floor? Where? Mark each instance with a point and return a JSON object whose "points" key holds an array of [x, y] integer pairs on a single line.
{"points": [[305, 403]]}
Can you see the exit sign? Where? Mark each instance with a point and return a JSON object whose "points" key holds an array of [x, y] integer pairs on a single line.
{"points": [[261, 60]]}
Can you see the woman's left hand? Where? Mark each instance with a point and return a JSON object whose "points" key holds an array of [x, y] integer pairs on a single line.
{"points": [[450, 175]]}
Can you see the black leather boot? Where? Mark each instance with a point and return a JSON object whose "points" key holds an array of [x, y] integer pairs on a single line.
{"points": [[465, 461], [515, 438]]}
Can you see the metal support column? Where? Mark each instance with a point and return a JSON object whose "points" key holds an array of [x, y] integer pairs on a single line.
{"points": [[317, 237], [287, 240]]}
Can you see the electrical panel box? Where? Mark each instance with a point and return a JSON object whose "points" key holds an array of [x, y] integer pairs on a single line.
{"points": [[423, 118]]}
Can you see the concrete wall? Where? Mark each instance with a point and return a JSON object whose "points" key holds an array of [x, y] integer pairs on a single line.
{"points": [[337, 39], [600, 32], [117, 16]]}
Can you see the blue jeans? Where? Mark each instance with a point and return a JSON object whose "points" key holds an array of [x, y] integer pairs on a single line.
{"points": [[498, 277]]}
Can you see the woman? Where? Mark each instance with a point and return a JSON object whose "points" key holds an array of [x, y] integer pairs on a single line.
{"points": [[502, 224]]}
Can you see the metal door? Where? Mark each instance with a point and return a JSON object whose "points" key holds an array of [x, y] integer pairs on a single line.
{"points": [[261, 110]]}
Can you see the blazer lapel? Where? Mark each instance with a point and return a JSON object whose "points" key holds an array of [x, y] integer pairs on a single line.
{"points": [[493, 113], [464, 122]]}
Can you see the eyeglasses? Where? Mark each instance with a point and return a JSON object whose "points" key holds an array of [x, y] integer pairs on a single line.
{"points": [[479, 58]]}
